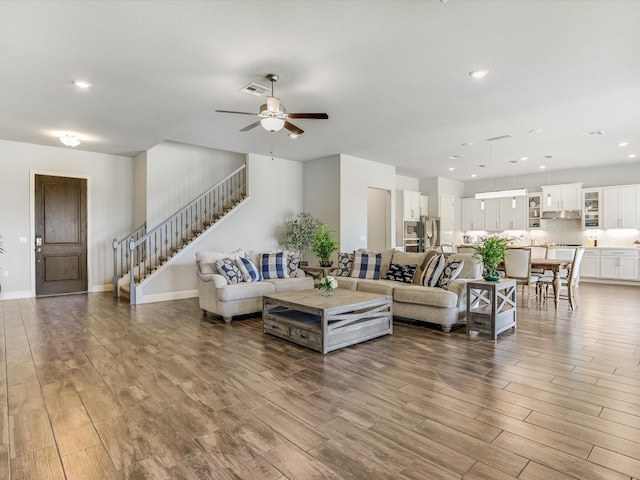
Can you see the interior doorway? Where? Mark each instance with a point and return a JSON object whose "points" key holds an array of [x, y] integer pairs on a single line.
{"points": [[60, 235], [378, 219]]}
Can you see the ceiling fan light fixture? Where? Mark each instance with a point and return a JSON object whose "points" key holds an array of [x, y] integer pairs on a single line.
{"points": [[69, 140], [272, 124]]}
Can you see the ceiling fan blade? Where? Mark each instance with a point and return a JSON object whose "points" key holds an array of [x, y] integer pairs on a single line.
{"points": [[249, 127], [292, 128], [241, 113], [320, 116]]}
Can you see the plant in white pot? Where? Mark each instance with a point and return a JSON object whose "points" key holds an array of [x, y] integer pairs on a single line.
{"points": [[300, 235]]}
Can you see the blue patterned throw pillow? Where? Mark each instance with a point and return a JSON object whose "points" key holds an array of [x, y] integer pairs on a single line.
{"points": [[401, 273], [366, 265], [250, 272], [452, 269], [229, 270], [432, 271], [274, 265], [345, 264]]}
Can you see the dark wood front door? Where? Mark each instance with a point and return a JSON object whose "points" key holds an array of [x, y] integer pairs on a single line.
{"points": [[60, 235]]}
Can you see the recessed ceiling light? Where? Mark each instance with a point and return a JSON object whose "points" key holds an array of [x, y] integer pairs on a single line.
{"points": [[632, 155], [70, 140], [473, 175], [467, 144], [523, 159], [623, 144], [455, 157], [479, 73], [293, 135], [82, 84], [451, 169], [542, 167], [536, 130]]}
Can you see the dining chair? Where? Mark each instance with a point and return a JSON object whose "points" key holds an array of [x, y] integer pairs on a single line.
{"points": [[517, 265], [538, 251], [447, 248], [466, 249], [568, 284]]}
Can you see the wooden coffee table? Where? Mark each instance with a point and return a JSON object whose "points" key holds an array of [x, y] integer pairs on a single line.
{"points": [[327, 323]]}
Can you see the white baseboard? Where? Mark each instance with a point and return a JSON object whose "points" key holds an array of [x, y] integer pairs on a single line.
{"points": [[107, 287], [163, 297], [16, 295]]}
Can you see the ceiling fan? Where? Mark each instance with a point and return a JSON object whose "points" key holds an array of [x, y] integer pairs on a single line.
{"points": [[273, 116]]}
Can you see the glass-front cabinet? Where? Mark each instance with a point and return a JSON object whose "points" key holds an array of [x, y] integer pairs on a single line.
{"points": [[534, 211], [592, 208]]}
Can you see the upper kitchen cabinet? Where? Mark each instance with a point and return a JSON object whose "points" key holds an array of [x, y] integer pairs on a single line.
{"points": [[513, 213], [592, 208], [423, 203], [411, 205], [472, 214], [561, 197], [534, 212], [620, 206]]}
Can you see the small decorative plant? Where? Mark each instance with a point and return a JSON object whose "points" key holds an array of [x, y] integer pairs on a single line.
{"points": [[492, 251], [328, 284], [324, 244], [300, 235]]}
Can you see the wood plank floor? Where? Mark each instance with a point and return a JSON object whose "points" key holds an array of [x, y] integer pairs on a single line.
{"points": [[91, 388]]}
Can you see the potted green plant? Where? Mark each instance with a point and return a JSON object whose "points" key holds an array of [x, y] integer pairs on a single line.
{"points": [[300, 235], [324, 245], [491, 251]]}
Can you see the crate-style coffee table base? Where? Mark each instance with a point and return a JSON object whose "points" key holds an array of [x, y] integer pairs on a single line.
{"points": [[327, 323], [491, 306]]}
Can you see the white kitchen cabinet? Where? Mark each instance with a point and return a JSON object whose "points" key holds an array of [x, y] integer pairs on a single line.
{"points": [[620, 206], [513, 213], [590, 266], [619, 264], [410, 205], [492, 214], [591, 208], [423, 203], [561, 197], [534, 211], [472, 215]]}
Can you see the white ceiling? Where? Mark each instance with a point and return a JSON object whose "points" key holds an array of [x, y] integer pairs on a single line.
{"points": [[392, 75]]}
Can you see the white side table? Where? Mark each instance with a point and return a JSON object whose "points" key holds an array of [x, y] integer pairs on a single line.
{"points": [[491, 306]]}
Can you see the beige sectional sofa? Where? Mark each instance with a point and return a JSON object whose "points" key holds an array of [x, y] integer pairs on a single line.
{"points": [[219, 297], [444, 307]]}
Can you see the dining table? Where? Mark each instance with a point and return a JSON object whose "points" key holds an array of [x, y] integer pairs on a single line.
{"points": [[555, 265]]}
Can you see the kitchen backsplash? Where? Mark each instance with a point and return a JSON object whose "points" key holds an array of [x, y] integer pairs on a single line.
{"points": [[570, 232]]}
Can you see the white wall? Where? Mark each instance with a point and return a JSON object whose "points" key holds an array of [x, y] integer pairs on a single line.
{"points": [[356, 176], [177, 173], [407, 183], [140, 189], [275, 196], [110, 200]]}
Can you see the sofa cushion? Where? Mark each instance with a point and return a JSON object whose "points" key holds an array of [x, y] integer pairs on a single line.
{"points": [[291, 284], [401, 273], [274, 265], [229, 270], [472, 265], [429, 296], [411, 258], [380, 287], [366, 265], [345, 264], [250, 272], [244, 291], [452, 269], [293, 262], [207, 260], [348, 283], [432, 271]]}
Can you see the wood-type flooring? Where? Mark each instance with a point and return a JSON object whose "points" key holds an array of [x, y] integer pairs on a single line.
{"points": [[92, 388]]}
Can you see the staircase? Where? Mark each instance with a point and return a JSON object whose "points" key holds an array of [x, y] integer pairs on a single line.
{"points": [[140, 254]]}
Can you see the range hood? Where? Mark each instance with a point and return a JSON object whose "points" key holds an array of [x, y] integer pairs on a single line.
{"points": [[562, 215]]}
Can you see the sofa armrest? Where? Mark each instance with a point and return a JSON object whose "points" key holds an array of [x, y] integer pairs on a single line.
{"points": [[217, 279], [459, 287]]}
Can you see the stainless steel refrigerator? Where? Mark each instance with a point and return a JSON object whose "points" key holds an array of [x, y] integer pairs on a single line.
{"points": [[428, 233]]}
